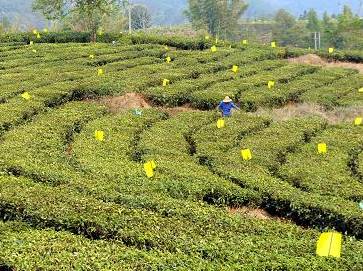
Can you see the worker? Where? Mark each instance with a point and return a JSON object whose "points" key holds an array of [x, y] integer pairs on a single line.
{"points": [[226, 107]]}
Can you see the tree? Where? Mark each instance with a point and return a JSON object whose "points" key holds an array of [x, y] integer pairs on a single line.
{"points": [[304, 16], [284, 20], [218, 17], [329, 29], [113, 22], [5, 24], [288, 31], [346, 19], [90, 10], [141, 17], [313, 21]]}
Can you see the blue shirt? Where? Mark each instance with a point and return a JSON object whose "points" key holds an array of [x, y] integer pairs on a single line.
{"points": [[226, 108]]}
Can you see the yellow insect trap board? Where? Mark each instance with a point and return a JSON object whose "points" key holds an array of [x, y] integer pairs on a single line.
{"points": [[358, 121], [100, 135], [149, 168], [91, 56], [245, 42], [168, 59], [271, 84], [100, 72], [246, 154], [221, 123], [35, 32], [38, 36], [31, 42], [26, 96], [207, 37], [273, 44], [322, 148], [360, 90], [213, 49], [166, 82], [235, 68], [331, 50], [329, 244]]}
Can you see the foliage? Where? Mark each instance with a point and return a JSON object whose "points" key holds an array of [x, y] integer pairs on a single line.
{"points": [[219, 18], [341, 32], [91, 11], [288, 31], [141, 17]]}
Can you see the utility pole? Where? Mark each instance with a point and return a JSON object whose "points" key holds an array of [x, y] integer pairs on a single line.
{"points": [[128, 7], [319, 43], [317, 40], [315, 44], [130, 22]]}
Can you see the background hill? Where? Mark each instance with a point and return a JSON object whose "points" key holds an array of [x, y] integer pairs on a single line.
{"points": [[268, 7], [167, 12]]}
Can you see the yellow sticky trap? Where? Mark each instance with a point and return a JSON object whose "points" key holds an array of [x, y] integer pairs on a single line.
{"points": [[235, 68], [220, 123], [91, 56], [166, 82], [322, 148], [331, 50], [38, 36], [34, 51], [329, 244], [213, 49], [360, 90], [100, 72], [273, 44], [100, 135], [31, 42], [207, 37], [149, 168], [26, 96], [245, 42], [45, 30], [35, 32], [168, 59], [246, 154], [358, 121], [271, 84]]}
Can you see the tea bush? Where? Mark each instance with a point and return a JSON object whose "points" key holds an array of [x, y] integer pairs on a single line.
{"points": [[69, 201]]}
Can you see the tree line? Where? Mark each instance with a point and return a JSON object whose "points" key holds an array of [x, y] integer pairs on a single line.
{"points": [[220, 18], [344, 30], [88, 16]]}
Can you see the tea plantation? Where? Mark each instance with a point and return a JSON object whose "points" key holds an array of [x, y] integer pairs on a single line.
{"points": [[71, 202]]}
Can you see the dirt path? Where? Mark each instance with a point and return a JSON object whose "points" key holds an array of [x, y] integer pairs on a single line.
{"points": [[313, 59], [292, 110], [116, 104], [125, 102]]}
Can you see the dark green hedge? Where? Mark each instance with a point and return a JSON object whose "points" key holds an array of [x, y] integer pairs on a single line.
{"points": [[338, 55], [83, 37]]}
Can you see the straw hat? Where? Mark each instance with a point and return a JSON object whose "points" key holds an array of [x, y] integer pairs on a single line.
{"points": [[227, 100]]}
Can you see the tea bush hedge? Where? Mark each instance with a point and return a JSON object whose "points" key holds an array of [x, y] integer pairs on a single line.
{"points": [[69, 201]]}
